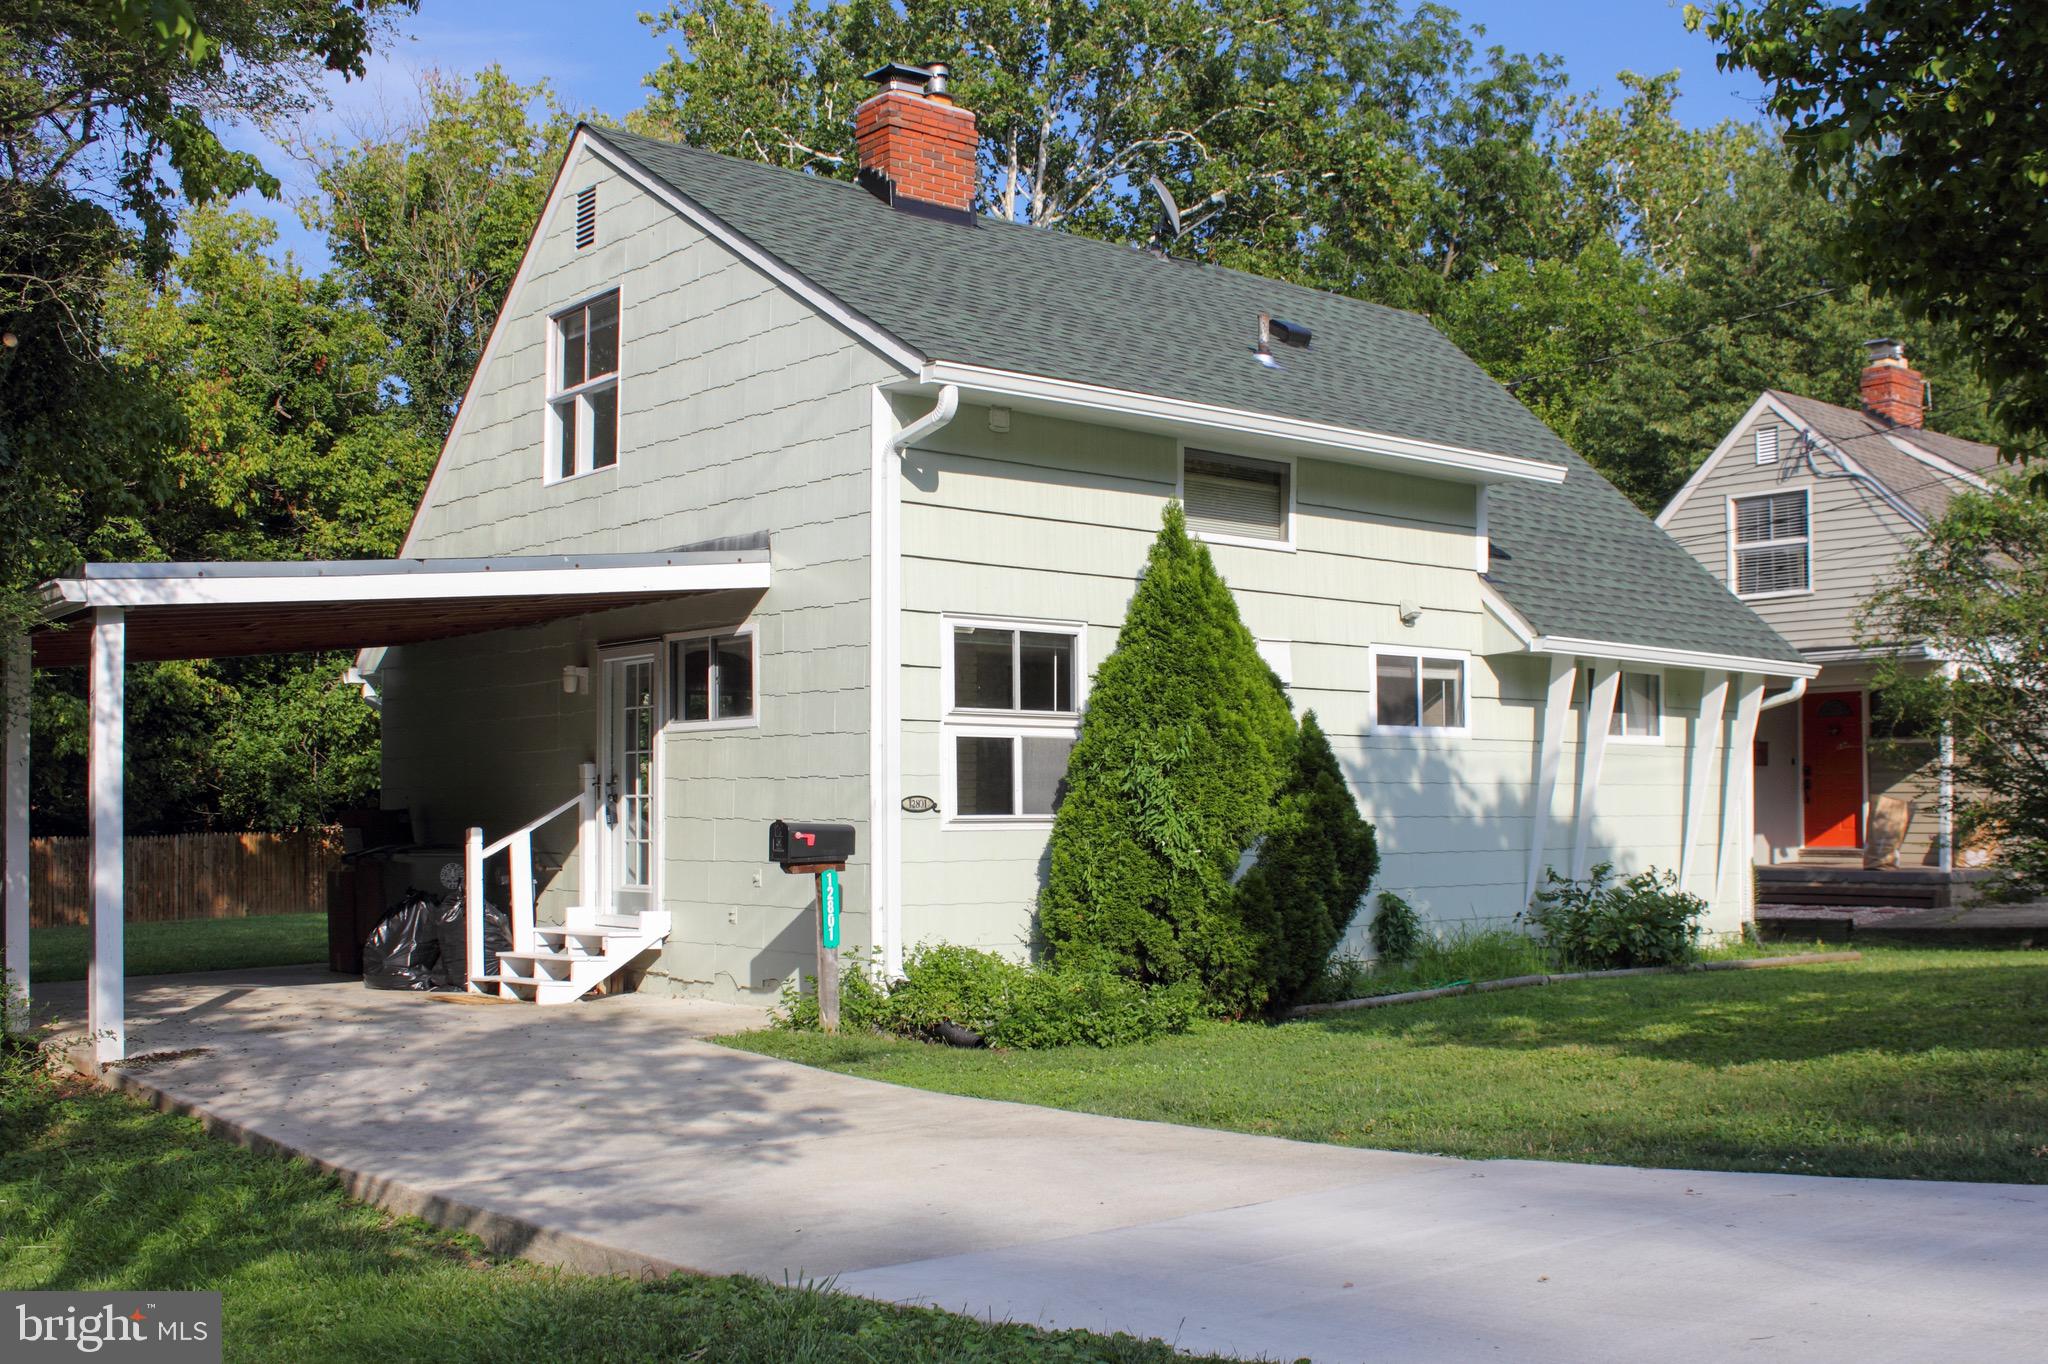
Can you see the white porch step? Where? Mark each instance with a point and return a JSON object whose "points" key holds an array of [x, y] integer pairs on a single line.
{"points": [[568, 960]]}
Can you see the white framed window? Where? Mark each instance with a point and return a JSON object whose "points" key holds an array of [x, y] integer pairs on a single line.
{"points": [[1770, 549], [1638, 704], [1234, 500], [714, 679], [1011, 693], [583, 388], [1767, 445], [1420, 691]]}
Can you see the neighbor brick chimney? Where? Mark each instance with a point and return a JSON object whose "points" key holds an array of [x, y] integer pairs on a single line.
{"points": [[1893, 390], [917, 147]]}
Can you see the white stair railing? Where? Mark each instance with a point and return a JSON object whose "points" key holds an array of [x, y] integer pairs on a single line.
{"points": [[518, 849]]}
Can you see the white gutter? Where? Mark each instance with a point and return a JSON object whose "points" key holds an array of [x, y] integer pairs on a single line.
{"points": [[1786, 697], [1669, 658], [942, 412], [1330, 441]]}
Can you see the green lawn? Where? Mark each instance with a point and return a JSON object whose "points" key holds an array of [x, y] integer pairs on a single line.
{"points": [[1923, 1064], [155, 949], [99, 1192]]}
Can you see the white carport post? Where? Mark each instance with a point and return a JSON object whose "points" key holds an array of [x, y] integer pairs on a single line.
{"points": [[106, 697], [16, 845]]}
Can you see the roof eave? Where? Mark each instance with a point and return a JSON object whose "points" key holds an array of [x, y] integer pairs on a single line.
{"points": [[1206, 420]]}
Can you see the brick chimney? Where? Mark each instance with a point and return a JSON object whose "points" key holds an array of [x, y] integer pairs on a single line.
{"points": [[1893, 391], [917, 147]]}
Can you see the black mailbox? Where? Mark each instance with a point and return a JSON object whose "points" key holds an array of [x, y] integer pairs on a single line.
{"points": [[808, 845]]}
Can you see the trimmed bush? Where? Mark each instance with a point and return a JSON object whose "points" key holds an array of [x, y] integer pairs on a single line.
{"points": [[1315, 863], [1396, 931], [1186, 738], [1007, 1003], [1600, 924]]}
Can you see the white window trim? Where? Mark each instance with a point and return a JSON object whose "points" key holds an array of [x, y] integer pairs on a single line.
{"points": [[1180, 493], [1584, 686], [675, 723], [955, 723], [1372, 696], [1812, 560], [551, 441]]}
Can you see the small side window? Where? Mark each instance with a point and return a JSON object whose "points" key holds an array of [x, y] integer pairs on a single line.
{"points": [[712, 680], [1237, 500]]}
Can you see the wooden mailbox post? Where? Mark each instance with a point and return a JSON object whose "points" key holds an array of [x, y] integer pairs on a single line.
{"points": [[819, 850]]}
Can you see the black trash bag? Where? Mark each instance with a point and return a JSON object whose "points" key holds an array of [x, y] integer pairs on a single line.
{"points": [[402, 950], [451, 927]]}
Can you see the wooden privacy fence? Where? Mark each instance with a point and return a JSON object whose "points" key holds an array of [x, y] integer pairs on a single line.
{"points": [[189, 876]]}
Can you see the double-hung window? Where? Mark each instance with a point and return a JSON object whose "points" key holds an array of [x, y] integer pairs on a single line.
{"points": [[1012, 702], [583, 388], [712, 680], [1772, 548], [1419, 692], [1638, 704]]}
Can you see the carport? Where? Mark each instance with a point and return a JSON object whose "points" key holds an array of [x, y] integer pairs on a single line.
{"points": [[103, 616]]}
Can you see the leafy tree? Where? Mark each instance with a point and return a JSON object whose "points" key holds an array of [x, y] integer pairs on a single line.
{"points": [[1928, 114], [1315, 863], [427, 222], [1974, 591], [1186, 738]]}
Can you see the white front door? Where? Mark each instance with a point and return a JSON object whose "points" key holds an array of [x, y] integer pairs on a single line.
{"points": [[629, 722]]}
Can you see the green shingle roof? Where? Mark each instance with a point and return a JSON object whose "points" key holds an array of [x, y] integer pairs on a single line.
{"points": [[1575, 558]]}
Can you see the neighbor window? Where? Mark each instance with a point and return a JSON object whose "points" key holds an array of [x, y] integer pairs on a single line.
{"points": [[1012, 711], [1233, 499], [1772, 547], [1638, 704], [712, 677], [583, 398], [1418, 691]]}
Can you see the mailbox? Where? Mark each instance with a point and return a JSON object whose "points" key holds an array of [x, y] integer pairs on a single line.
{"points": [[793, 845]]}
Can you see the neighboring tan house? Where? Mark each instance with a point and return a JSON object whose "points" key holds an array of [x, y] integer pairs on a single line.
{"points": [[1803, 511], [775, 496]]}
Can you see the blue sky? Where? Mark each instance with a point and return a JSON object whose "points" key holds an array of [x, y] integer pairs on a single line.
{"points": [[597, 61]]}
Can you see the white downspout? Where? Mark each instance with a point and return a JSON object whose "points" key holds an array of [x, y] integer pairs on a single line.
{"points": [[1786, 697], [885, 673]]}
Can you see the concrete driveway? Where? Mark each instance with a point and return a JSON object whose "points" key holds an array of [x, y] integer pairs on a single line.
{"points": [[609, 1136]]}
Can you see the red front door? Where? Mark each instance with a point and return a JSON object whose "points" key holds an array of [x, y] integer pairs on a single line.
{"points": [[1831, 743]]}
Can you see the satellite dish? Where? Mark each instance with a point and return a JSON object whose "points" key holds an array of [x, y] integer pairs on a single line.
{"points": [[1179, 224]]}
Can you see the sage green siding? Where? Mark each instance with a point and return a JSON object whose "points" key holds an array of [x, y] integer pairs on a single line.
{"points": [[1051, 519], [741, 410]]}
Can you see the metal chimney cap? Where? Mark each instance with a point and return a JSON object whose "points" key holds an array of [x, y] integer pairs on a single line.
{"points": [[1884, 348], [895, 73], [936, 74]]}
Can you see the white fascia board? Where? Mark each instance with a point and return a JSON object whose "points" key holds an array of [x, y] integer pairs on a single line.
{"points": [[1854, 654], [1728, 442], [66, 595], [1511, 619], [826, 304], [1183, 416], [1669, 658]]}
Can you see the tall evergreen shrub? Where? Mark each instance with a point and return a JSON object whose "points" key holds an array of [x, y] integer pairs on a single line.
{"points": [[1186, 739], [1318, 857]]}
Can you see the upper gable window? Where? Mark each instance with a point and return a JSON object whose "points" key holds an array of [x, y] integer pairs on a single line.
{"points": [[583, 388], [1237, 501], [1771, 546]]}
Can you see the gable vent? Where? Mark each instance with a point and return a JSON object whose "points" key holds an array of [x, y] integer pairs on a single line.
{"points": [[586, 216], [1767, 445]]}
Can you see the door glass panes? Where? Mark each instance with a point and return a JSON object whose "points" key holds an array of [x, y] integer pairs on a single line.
{"points": [[984, 775], [983, 675], [634, 770]]}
